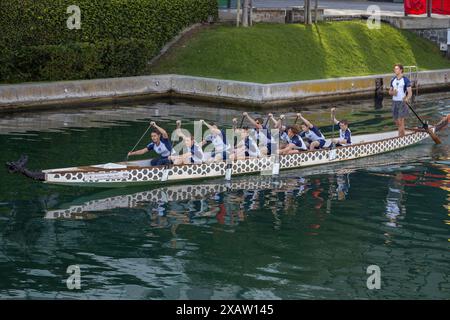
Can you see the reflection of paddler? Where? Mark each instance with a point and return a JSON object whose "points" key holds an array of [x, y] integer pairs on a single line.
{"points": [[394, 200], [343, 185], [222, 213], [316, 194], [220, 216]]}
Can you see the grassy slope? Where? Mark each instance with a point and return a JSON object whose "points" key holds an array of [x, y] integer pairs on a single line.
{"points": [[276, 53]]}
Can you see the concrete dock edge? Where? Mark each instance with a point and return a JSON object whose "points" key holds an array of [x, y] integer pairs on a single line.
{"points": [[28, 95]]}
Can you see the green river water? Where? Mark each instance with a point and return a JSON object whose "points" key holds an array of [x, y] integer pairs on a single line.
{"points": [[310, 234]]}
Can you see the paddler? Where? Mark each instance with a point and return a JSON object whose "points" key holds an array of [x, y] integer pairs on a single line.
{"points": [[401, 92], [246, 147], [261, 134], [219, 139], [310, 132], [160, 144], [194, 152], [295, 143], [283, 130], [345, 135]]}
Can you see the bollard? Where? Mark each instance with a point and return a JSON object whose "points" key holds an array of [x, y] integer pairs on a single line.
{"points": [[379, 93]]}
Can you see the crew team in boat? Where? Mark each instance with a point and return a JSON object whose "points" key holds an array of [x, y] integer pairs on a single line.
{"points": [[245, 149], [249, 143]]}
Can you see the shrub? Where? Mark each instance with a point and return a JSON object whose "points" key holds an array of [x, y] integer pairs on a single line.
{"points": [[117, 37], [83, 60]]}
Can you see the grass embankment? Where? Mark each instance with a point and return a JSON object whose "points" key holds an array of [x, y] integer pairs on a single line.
{"points": [[276, 53]]}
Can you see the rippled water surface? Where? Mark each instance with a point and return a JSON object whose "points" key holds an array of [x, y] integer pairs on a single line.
{"points": [[310, 234]]}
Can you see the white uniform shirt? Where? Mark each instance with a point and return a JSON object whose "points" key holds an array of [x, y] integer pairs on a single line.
{"points": [[401, 85]]}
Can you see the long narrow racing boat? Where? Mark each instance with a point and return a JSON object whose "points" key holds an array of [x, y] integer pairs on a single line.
{"points": [[140, 172]]}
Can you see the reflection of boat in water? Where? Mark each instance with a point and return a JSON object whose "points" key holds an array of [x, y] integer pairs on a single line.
{"points": [[139, 172], [173, 193]]}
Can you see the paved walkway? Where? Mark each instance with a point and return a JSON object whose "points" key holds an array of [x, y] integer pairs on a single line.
{"points": [[333, 7], [337, 7]]}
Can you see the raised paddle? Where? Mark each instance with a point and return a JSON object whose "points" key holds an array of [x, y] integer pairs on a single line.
{"points": [[151, 125], [267, 121], [229, 163], [280, 125], [332, 124], [242, 120], [425, 126], [332, 128], [276, 165], [234, 133]]}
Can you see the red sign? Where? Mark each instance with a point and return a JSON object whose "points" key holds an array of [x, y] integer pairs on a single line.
{"points": [[415, 6], [420, 6], [441, 7]]}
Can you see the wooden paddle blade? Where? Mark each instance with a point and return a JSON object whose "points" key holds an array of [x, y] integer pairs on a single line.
{"points": [[434, 136]]}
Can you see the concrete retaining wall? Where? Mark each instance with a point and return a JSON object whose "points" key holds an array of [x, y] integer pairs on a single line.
{"points": [[216, 90], [347, 88], [269, 15], [414, 23], [284, 15], [66, 92], [438, 36]]}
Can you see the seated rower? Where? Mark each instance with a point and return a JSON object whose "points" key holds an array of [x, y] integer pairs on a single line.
{"points": [[345, 135], [194, 152], [316, 139], [218, 138], [160, 144], [262, 134], [246, 147], [283, 138], [295, 142]]}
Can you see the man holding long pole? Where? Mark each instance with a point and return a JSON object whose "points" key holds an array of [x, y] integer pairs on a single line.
{"points": [[401, 93]]}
